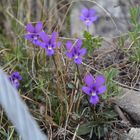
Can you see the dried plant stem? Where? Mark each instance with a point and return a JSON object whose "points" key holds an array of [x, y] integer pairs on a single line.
{"points": [[121, 114], [60, 92], [79, 75]]}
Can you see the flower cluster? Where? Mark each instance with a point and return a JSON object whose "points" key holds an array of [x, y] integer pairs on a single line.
{"points": [[15, 79], [39, 38], [94, 87]]}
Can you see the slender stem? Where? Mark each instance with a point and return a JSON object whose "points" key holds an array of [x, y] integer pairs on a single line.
{"points": [[79, 75], [91, 107], [94, 113], [57, 68], [54, 63], [87, 28]]}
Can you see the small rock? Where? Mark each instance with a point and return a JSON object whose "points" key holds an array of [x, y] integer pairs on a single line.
{"points": [[113, 17], [130, 103], [134, 134]]}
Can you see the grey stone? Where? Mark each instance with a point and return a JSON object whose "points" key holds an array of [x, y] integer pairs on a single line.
{"points": [[77, 27], [134, 134], [113, 17], [129, 101]]}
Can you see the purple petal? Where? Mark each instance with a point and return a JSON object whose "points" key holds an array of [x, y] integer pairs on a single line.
{"points": [[69, 54], [43, 45], [29, 28], [83, 18], [89, 80], [94, 99], [16, 84], [53, 37], [19, 77], [50, 52], [28, 37], [38, 27], [101, 90], [37, 42], [86, 90], [92, 19], [44, 36], [59, 44], [69, 45], [91, 12], [78, 43], [78, 60], [16, 75], [82, 51], [100, 80], [85, 12], [88, 23]]}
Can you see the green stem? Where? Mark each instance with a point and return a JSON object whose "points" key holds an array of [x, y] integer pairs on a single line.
{"points": [[87, 29], [91, 107]]}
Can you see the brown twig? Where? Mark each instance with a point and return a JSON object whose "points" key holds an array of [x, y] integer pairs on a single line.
{"points": [[121, 114]]}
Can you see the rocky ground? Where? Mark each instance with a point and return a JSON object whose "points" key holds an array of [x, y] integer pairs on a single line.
{"points": [[114, 17]]}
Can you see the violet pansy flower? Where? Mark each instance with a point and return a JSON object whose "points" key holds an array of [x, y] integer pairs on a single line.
{"points": [[49, 43], [34, 32], [14, 78], [88, 16], [75, 51], [94, 87]]}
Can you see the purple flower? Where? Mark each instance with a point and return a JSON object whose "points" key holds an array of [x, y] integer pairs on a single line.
{"points": [[49, 43], [75, 51], [94, 87], [34, 32], [88, 16], [14, 78]]}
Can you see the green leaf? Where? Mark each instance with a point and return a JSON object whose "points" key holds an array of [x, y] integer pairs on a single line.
{"points": [[91, 43], [85, 128], [110, 114], [70, 85]]}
